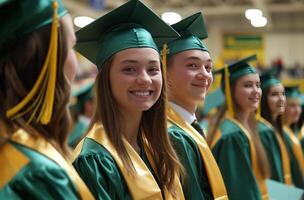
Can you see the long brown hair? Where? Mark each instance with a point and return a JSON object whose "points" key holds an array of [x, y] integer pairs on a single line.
{"points": [[19, 69], [260, 151], [153, 127]]}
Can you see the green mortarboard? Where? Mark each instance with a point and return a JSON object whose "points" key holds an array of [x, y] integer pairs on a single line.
{"points": [[20, 17], [239, 68], [292, 91], [235, 71], [83, 93], [192, 30], [132, 25], [213, 100], [269, 78]]}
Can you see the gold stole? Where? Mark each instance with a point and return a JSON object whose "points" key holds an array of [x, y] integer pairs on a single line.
{"points": [[214, 175], [301, 134], [283, 150], [41, 145], [296, 148], [11, 162], [261, 181], [142, 185]]}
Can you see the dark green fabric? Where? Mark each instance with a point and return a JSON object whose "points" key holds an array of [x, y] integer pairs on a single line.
{"points": [[269, 78], [77, 133], [21, 17], [132, 25], [296, 174], [195, 184], [40, 179], [232, 153], [192, 30], [272, 147], [238, 69], [292, 92], [100, 172]]}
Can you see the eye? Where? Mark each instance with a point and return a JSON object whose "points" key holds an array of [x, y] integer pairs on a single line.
{"points": [[153, 70], [192, 65], [208, 68], [258, 84], [129, 69]]}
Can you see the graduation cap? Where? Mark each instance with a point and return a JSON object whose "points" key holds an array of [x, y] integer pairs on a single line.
{"points": [[269, 78], [23, 17], [83, 93], [132, 25], [231, 73], [213, 100], [192, 30], [292, 91]]}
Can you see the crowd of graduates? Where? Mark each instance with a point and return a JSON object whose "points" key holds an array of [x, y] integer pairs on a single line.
{"points": [[134, 133]]}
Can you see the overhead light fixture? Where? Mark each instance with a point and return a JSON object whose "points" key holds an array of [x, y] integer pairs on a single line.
{"points": [[171, 17], [253, 13], [82, 21], [259, 21]]}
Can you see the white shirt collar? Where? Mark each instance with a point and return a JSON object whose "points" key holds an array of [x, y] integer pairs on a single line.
{"points": [[187, 116], [84, 119]]}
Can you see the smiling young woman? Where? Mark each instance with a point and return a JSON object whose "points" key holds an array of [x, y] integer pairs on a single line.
{"points": [[233, 136], [127, 153]]}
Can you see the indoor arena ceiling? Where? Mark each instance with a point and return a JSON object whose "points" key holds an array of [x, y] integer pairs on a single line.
{"points": [[274, 10]]}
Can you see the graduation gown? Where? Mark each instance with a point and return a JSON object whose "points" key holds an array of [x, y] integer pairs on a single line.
{"points": [[101, 168], [31, 168], [202, 179], [276, 152], [78, 132], [233, 152], [296, 157]]}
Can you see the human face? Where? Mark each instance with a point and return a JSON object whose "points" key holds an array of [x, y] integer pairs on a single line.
{"points": [[136, 79], [70, 64], [276, 100], [189, 76], [247, 92], [292, 110]]}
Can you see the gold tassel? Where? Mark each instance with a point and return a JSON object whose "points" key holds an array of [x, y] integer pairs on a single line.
{"points": [[45, 83], [258, 112], [228, 93], [163, 54]]}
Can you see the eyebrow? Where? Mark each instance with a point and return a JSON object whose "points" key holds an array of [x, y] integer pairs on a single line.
{"points": [[197, 58], [135, 61]]}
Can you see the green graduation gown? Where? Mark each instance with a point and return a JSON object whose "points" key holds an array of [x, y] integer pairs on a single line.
{"points": [[295, 167], [78, 132], [193, 152], [232, 152], [196, 184], [271, 145], [31, 174]]}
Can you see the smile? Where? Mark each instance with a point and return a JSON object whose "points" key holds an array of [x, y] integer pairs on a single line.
{"points": [[142, 93]]}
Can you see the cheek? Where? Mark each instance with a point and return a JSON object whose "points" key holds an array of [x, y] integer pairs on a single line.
{"points": [[70, 66]]}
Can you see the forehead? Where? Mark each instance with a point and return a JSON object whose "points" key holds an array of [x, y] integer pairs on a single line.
{"points": [[249, 78], [194, 54], [137, 55], [277, 87]]}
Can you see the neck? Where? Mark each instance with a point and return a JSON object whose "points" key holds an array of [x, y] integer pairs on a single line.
{"points": [[190, 107], [131, 124], [243, 117]]}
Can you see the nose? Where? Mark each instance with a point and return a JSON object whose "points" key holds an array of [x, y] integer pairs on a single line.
{"points": [[143, 78]]}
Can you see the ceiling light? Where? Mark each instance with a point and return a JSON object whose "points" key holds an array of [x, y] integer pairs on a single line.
{"points": [[171, 17], [82, 21], [259, 21], [253, 13]]}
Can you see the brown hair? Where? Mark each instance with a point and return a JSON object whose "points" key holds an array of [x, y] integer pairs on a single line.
{"points": [[153, 127], [260, 151], [19, 69]]}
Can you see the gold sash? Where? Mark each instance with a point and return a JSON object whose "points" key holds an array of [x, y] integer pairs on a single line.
{"points": [[142, 186], [11, 162], [261, 181], [214, 175], [41, 145], [301, 134], [296, 148], [283, 150]]}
